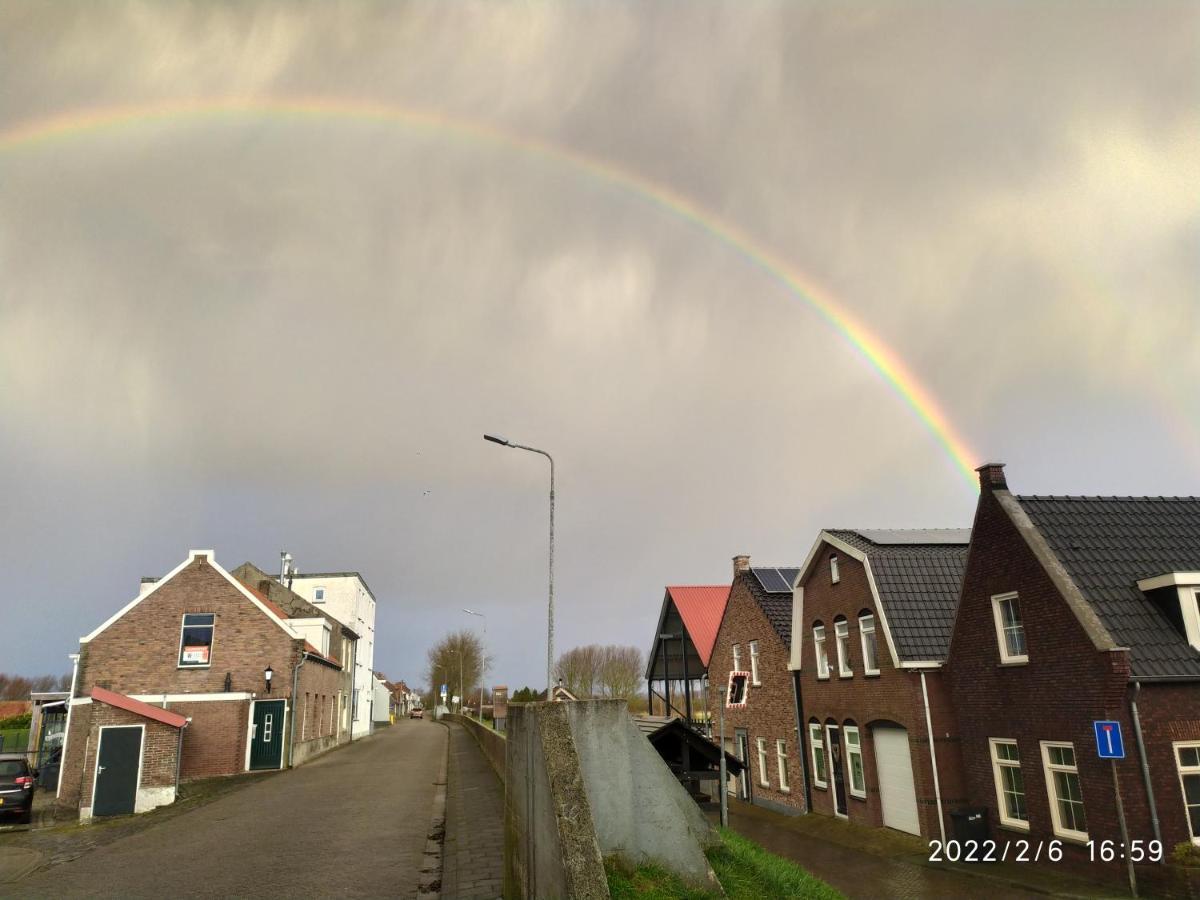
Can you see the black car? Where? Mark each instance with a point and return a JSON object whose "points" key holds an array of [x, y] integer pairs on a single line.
{"points": [[16, 787]]}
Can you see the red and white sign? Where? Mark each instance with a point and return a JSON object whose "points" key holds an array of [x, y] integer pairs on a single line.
{"points": [[195, 654], [739, 690]]}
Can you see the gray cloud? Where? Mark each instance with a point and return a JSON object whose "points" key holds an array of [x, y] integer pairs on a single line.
{"points": [[268, 332]]}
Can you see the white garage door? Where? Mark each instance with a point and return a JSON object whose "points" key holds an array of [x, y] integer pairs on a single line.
{"points": [[896, 790]]}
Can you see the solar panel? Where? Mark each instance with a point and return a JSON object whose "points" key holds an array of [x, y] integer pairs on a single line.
{"points": [[789, 575], [772, 582], [897, 537]]}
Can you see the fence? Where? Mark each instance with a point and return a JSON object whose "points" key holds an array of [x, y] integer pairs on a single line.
{"points": [[14, 740]]}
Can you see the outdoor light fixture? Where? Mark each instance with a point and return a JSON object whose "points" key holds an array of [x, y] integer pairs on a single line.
{"points": [[268, 673], [496, 440]]}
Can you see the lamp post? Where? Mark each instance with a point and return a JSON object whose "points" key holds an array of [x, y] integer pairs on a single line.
{"points": [[504, 442], [483, 660]]}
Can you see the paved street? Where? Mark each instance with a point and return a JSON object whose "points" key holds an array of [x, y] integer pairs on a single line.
{"points": [[352, 823], [474, 848]]}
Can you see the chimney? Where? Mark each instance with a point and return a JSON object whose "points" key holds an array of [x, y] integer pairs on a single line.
{"points": [[147, 586], [740, 564], [991, 477], [285, 565]]}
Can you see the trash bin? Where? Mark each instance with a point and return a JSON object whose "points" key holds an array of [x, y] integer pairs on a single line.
{"points": [[970, 824]]}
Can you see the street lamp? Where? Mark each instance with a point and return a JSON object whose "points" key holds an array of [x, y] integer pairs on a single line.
{"points": [[483, 661], [268, 673], [504, 442]]}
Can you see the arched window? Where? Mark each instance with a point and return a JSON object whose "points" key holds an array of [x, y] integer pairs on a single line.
{"points": [[834, 575], [816, 746], [841, 631], [870, 647], [822, 656], [854, 760]]}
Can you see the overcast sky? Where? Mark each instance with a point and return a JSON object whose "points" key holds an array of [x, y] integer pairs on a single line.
{"points": [[254, 333]]}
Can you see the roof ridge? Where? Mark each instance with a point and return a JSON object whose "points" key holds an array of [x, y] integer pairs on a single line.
{"points": [[1092, 498]]}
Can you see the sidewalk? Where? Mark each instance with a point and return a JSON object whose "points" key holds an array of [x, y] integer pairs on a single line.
{"points": [[876, 862], [473, 854]]}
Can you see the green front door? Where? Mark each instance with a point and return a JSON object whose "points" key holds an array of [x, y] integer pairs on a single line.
{"points": [[266, 735]]}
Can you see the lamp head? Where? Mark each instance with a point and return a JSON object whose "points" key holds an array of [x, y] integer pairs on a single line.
{"points": [[496, 439]]}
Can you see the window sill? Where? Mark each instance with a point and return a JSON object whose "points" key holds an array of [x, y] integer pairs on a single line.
{"points": [[860, 797], [1020, 828], [205, 666], [820, 787], [874, 674], [1075, 838], [1010, 663], [756, 684], [784, 790], [822, 678], [844, 677]]}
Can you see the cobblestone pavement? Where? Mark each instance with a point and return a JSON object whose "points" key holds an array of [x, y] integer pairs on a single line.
{"points": [[352, 823], [473, 855]]}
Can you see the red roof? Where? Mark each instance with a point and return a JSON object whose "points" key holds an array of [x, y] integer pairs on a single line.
{"points": [[313, 651], [157, 713], [701, 607], [267, 602]]}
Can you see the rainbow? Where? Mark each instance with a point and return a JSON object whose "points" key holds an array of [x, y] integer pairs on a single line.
{"points": [[886, 362]]}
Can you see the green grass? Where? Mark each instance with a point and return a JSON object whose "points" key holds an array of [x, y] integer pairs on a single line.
{"points": [[746, 872]]}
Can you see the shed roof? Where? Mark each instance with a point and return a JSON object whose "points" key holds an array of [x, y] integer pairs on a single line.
{"points": [[137, 707], [1107, 545], [701, 607], [919, 576]]}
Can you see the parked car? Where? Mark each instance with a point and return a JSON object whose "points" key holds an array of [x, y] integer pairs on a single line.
{"points": [[416, 713], [16, 786]]}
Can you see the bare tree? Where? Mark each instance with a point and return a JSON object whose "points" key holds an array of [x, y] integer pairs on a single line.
{"points": [[621, 671], [593, 670], [579, 670], [18, 687], [456, 660]]}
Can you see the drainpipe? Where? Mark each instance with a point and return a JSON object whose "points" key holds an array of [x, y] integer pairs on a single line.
{"points": [[1141, 745], [179, 755], [353, 688], [801, 735], [62, 760], [295, 687], [937, 788]]}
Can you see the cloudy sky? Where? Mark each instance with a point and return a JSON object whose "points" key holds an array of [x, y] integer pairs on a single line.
{"points": [[227, 325]]}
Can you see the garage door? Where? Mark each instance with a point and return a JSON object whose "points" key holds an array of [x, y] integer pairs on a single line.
{"points": [[896, 791]]}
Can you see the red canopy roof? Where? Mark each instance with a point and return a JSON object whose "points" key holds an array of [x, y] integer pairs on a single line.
{"points": [[157, 713], [701, 607]]}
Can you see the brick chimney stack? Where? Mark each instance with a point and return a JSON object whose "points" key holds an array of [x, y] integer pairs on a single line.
{"points": [[740, 564], [991, 477]]}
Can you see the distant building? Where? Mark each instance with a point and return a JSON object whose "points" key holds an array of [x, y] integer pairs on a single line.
{"points": [[346, 596]]}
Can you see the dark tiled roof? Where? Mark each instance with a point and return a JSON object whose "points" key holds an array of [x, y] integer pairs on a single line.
{"points": [[777, 606], [918, 585], [1107, 545]]}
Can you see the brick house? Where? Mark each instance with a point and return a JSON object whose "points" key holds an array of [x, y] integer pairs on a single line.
{"points": [[760, 723], [1076, 610], [871, 623], [176, 683]]}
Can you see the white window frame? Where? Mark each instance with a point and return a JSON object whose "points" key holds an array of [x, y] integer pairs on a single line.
{"points": [[998, 765], [816, 747], [819, 651], [854, 748], [760, 744], [737, 658], [866, 625], [179, 663], [785, 786], [754, 664], [1052, 795], [319, 594], [841, 637], [834, 575], [1007, 658], [1183, 770]]}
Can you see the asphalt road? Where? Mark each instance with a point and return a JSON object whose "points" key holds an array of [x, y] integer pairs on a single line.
{"points": [[352, 823]]}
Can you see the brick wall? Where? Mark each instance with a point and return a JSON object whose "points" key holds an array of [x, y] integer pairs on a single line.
{"points": [[214, 742], [770, 711], [893, 696], [159, 748]]}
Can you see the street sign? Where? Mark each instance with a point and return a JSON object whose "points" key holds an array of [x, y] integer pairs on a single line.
{"points": [[1109, 743], [443, 691]]}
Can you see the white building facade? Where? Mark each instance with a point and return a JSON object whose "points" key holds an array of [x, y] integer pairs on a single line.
{"points": [[348, 599]]}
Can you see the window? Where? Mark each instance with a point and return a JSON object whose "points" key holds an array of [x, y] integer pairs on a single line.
{"points": [[754, 663], [870, 649], [1188, 758], [781, 762], [1010, 629], [841, 631], [737, 658], [736, 696], [1062, 786], [1010, 786], [817, 746], [195, 640], [319, 595], [834, 575], [858, 781], [761, 744], [819, 650]]}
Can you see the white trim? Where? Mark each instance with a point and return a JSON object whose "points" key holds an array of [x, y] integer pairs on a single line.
{"points": [[1006, 658], [829, 730], [754, 679], [1048, 769], [997, 765], [80, 701], [282, 731], [820, 654], [74, 657], [847, 730], [192, 698], [816, 748], [834, 575], [845, 667], [1176, 579], [1191, 770], [796, 650], [212, 639], [96, 765], [862, 639], [920, 664], [212, 561], [785, 781], [760, 746], [882, 614]]}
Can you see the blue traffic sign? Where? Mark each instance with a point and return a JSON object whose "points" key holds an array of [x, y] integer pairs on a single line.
{"points": [[443, 691], [1108, 740]]}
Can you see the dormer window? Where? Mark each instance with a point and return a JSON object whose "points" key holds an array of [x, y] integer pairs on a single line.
{"points": [[834, 576], [1177, 596]]}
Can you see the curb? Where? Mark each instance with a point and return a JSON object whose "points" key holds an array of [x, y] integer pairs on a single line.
{"points": [[432, 862]]}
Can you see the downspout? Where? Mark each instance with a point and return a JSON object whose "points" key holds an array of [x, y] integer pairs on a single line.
{"points": [[800, 744], [1141, 745], [179, 755], [295, 688], [353, 688], [937, 788], [62, 760]]}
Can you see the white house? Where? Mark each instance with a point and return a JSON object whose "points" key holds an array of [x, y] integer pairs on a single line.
{"points": [[348, 599]]}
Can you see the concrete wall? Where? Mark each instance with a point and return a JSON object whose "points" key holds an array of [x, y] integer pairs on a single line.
{"points": [[492, 744], [583, 783]]}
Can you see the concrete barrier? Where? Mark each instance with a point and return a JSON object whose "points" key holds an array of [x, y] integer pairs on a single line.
{"points": [[490, 742], [583, 783]]}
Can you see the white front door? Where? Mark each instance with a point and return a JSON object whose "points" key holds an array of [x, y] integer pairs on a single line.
{"points": [[897, 793]]}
